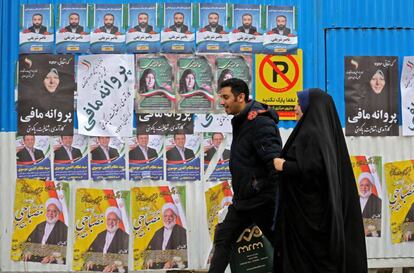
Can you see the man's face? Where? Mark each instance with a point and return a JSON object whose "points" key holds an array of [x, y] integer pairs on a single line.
{"points": [[52, 213], [104, 141], [213, 20], [217, 139], [29, 141], [112, 222], [74, 20], [232, 104], [281, 23], [109, 21], [51, 82], [178, 20], [143, 140], [143, 20], [169, 218], [37, 21], [179, 140], [365, 187], [247, 21], [67, 141]]}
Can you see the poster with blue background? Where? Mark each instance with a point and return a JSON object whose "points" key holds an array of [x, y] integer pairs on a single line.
{"points": [[33, 157]]}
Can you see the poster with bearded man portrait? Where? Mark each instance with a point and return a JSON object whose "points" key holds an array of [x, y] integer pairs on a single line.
{"points": [[46, 94]]}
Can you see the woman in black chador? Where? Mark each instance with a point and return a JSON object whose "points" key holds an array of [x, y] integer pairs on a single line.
{"points": [[319, 225]]}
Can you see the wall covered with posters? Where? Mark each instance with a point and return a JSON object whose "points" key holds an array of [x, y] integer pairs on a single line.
{"points": [[322, 36]]}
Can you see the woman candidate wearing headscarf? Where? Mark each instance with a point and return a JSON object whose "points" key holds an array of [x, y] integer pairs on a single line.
{"points": [[319, 224]]}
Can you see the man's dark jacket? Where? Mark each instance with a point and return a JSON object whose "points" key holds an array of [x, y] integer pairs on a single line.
{"points": [[78, 29], [24, 156], [61, 154], [99, 154], [256, 142]]}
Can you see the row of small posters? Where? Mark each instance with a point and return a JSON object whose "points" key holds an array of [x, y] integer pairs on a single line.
{"points": [[108, 84], [178, 157], [158, 27], [372, 96], [103, 215], [104, 221]]}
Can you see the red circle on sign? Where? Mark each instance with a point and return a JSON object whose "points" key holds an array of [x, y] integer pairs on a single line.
{"points": [[267, 60]]}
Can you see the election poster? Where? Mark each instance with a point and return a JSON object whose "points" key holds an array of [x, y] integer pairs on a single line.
{"points": [[212, 123], [407, 96], [146, 157], [36, 28], [367, 171], [101, 215], [73, 35], [108, 34], [399, 177], [70, 157], [183, 157], [107, 158], [195, 83], [155, 83], [212, 34], [156, 210], [165, 123], [40, 223], [217, 156], [33, 157], [143, 34], [45, 94], [105, 102], [371, 95], [178, 33]]}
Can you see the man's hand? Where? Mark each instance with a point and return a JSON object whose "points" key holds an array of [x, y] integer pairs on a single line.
{"points": [[89, 266], [150, 264], [278, 162], [27, 256], [109, 268], [168, 265], [48, 260]]}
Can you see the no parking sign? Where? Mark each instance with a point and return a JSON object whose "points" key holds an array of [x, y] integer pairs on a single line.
{"points": [[278, 78]]}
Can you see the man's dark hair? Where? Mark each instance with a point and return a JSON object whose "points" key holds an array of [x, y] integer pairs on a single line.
{"points": [[215, 13], [281, 16], [143, 13], [178, 12], [109, 14], [37, 14], [247, 14], [74, 13], [237, 87], [216, 133]]}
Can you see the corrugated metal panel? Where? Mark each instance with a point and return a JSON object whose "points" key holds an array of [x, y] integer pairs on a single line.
{"points": [[378, 13], [309, 25]]}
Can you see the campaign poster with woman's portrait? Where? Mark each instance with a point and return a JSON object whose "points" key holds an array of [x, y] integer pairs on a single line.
{"points": [[146, 157], [367, 171], [70, 157], [108, 34], [143, 34], [399, 177], [247, 33], [159, 227], [217, 156], [73, 35], [195, 83], [36, 29], [33, 157], [281, 36], [107, 158], [232, 66], [371, 95], [212, 33], [101, 233], [155, 83], [183, 157], [178, 33], [40, 223], [45, 94]]}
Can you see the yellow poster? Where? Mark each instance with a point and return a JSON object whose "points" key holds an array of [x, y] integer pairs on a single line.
{"points": [[101, 230], [400, 189], [217, 197], [40, 223], [367, 171], [158, 213], [278, 78]]}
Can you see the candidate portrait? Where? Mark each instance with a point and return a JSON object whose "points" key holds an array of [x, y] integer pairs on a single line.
{"points": [[143, 26], [179, 152], [74, 26], [247, 24], [28, 154], [66, 153], [179, 25], [103, 153], [141, 152], [37, 24], [216, 139], [109, 27], [213, 23], [281, 28]]}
